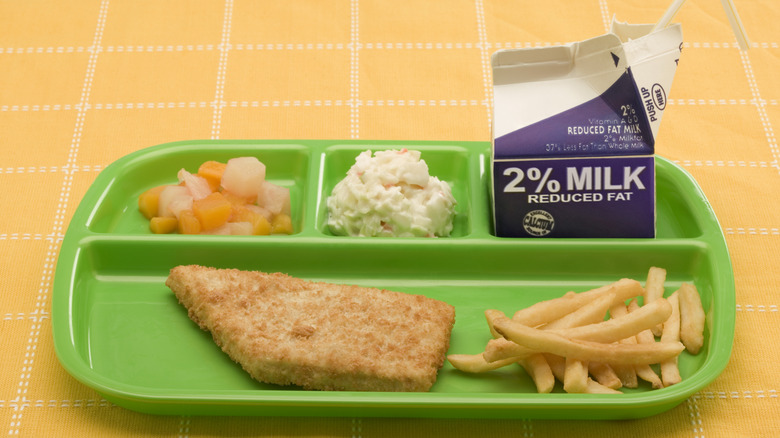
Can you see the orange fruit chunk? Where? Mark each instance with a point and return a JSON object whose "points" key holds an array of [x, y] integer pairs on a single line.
{"points": [[260, 225], [162, 225], [281, 224], [212, 211], [149, 201], [188, 223], [212, 172]]}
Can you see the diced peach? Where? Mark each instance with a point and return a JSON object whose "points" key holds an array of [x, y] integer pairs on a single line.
{"points": [[260, 225], [282, 224], [162, 225], [235, 199], [198, 186], [149, 201], [238, 213], [212, 211], [221, 198], [212, 172], [188, 223], [238, 204], [275, 198], [243, 176], [168, 196]]}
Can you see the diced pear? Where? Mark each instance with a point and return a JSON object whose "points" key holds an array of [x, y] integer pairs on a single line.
{"points": [[168, 196], [261, 211], [241, 228], [243, 176], [198, 186], [222, 230], [275, 198], [179, 204]]}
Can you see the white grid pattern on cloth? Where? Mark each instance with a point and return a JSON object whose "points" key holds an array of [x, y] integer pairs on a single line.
{"points": [[484, 53], [335, 46], [695, 414], [20, 402], [761, 109], [354, 70], [693, 402], [224, 50], [39, 315]]}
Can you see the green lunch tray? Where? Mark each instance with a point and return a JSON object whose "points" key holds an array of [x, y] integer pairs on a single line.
{"points": [[118, 329]]}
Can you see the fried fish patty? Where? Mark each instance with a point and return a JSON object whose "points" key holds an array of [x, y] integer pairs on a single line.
{"points": [[288, 331]]}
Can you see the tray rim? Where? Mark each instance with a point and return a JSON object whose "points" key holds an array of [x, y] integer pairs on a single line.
{"points": [[375, 404]]}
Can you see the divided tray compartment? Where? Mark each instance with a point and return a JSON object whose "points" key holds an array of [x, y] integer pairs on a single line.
{"points": [[118, 329]]}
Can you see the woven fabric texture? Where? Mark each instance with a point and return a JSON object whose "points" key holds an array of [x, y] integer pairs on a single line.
{"points": [[85, 83]]}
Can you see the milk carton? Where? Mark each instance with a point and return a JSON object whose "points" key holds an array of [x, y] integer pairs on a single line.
{"points": [[574, 130]]}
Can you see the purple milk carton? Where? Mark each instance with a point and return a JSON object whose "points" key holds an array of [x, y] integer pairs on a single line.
{"points": [[574, 130]]}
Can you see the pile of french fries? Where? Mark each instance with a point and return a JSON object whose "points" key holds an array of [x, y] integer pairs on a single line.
{"points": [[593, 342]]}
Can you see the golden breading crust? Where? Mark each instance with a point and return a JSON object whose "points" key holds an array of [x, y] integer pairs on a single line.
{"points": [[316, 335]]}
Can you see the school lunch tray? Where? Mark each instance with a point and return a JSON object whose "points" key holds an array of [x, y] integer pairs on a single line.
{"points": [[118, 329]]}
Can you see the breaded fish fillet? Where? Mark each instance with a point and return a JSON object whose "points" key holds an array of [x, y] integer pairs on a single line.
{"points": [[316, 335]]}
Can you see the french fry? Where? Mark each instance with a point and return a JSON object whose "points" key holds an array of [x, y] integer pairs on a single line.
{"points": [[654, 289], [502, 348], [626, 373], [546, 311], [691, 318], [491, 315], [604, 374], [575, 377], [590, 313], [618, 310], [597, 388], [557, 365], [670, 372], [654, 286], [475, 363], [587, 314], [648, 375], [551, 342], [537, 367], [611, 330], [568, 339], [645, 337]]}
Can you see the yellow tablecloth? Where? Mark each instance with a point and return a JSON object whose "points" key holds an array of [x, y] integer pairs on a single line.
{"points": [[84, 83]]}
